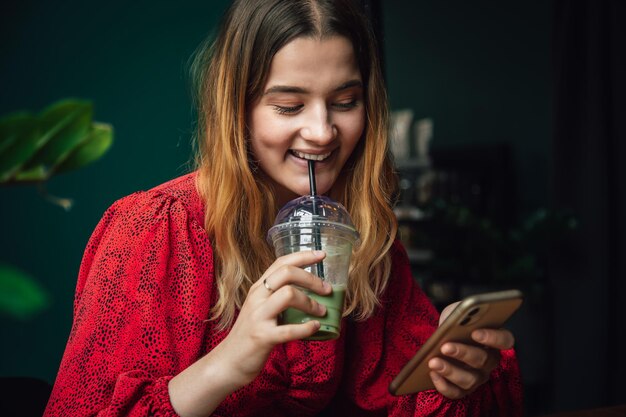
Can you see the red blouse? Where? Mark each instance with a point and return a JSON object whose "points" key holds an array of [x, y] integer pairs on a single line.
{"points": [[145, 289]]}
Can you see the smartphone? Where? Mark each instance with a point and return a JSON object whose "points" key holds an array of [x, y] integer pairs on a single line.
{"points": [[490, 310]]}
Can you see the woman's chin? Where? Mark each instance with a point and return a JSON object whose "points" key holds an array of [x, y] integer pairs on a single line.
{"points": [[285, 193]]}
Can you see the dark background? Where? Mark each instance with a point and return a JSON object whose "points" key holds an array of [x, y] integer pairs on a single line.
{"points": [[545, 78]]}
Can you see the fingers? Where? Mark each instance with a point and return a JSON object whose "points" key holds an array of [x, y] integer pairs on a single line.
{"points": [[281, 287], [288, 332], [446, 388], [453, 381], [291, 275], [479, 357], [501, 339], [290, 296], [469, 366], [299, 259], [472, 356], [288, 270]]}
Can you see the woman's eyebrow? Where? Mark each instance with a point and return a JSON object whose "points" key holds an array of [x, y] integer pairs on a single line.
{"points": [[285, 89], [299, 90], [349, 84]]}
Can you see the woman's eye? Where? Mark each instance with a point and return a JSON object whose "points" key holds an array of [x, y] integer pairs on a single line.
{"points": [[346, 105], [288, 109]]}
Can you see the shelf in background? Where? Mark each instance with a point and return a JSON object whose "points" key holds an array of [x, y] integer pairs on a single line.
{"points": [[409, 213], [419, 256]]}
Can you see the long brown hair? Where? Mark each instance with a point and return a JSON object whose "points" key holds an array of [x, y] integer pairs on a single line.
{"points": [[230, 73]]}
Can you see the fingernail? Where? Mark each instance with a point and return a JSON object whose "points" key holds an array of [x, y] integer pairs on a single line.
{"points": [[318, 252], [480, 335], [322, 309], [449, 350], [435, 365], [316, 324], [435, 376], [326, 285]]}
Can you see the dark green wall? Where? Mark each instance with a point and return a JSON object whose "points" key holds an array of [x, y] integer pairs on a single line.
{"points": [[482, 71], [130, 59]]}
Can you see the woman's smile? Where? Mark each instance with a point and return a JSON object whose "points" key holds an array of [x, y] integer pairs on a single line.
{"points": [[311, 156]]}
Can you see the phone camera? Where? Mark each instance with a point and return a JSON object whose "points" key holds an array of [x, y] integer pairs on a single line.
{"points": [[469, 316]]}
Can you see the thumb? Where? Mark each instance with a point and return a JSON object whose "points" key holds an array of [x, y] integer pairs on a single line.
{"points": [[446, 312]]}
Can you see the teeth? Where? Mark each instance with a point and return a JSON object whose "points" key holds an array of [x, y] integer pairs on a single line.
{"points": [[310, 156]]}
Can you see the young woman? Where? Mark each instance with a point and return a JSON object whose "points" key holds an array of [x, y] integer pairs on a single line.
{"points": [[179, 292]]}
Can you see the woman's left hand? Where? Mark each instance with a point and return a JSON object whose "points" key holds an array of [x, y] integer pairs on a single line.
{"points": [[462, 368]]}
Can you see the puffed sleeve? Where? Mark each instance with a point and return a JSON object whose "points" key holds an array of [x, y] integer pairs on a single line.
{"points": [[142, 298], [383, 345]]}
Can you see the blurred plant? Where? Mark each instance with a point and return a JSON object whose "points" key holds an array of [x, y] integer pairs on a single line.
{"points": [[20, 295], [471, 249], [33, 148]]}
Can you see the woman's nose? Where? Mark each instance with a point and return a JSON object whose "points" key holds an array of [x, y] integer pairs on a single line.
{"points": [[319, 127]]}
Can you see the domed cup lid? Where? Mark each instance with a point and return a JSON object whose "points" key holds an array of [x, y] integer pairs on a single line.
{"points": [[312, 211]]}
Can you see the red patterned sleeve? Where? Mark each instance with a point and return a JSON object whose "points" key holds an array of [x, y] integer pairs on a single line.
{"points": [[391, 337], [143, 293]]}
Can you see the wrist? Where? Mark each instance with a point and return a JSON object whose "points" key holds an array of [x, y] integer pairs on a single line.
{"points": [[200, 389], [218, 369]]}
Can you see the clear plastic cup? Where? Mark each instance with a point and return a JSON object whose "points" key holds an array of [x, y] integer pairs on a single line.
{"points": [[318, 223]]}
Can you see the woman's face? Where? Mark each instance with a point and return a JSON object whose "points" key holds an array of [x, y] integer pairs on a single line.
{"points": [[311, 107]]}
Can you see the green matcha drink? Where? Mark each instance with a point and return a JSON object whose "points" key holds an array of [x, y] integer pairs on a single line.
{"points": [[331, 323], [317, 222]]}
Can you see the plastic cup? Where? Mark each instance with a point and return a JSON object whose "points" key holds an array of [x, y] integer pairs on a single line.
{"points": [[310, 223]]}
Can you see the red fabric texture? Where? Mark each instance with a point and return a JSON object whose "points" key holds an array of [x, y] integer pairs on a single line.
{"points": [[144, 292]]}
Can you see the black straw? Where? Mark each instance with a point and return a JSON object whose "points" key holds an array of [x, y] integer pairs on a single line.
{"points": [[317, 238], [312, 179]]}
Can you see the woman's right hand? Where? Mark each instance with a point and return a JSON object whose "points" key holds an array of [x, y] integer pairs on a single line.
{"points": [[241, 356], [256, 330]]}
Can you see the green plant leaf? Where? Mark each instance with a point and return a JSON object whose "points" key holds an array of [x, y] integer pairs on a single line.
{"points": [[63, 125], [19, 140], [61, 138], [91, 148], [20, 295], [38, 173]]}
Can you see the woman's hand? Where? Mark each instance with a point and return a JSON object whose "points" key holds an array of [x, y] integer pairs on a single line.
{"points": [[462, 368], [240, 357], [256, 330]]}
